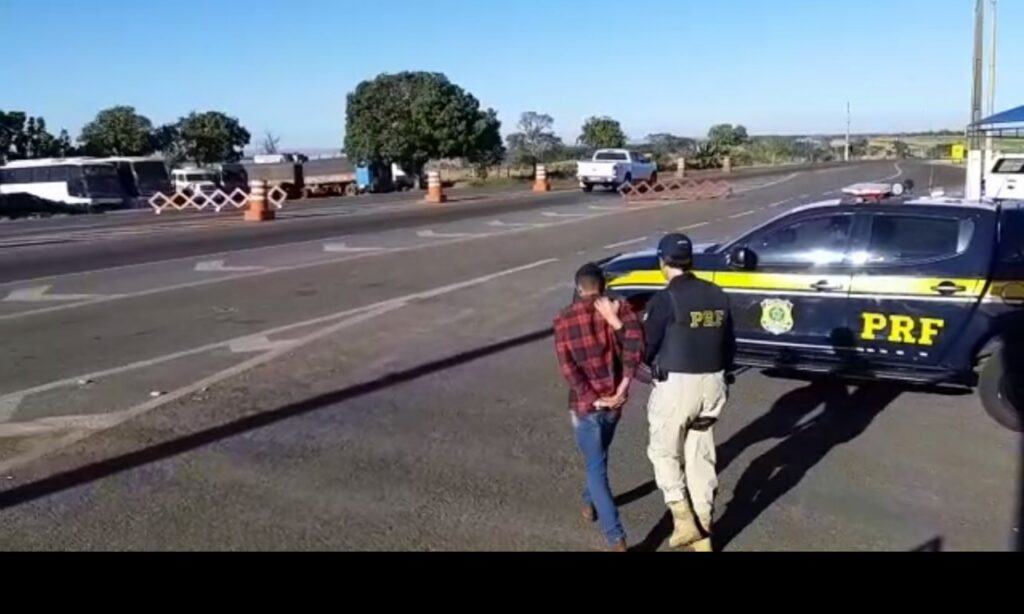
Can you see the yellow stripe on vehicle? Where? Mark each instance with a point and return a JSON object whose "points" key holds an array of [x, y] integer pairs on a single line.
{"points": [[802, 282], [912, 285], [1010, 291], [653, 278]]}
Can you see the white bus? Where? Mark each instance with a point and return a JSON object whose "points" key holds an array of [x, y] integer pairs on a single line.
{"points": [[73, 181]]}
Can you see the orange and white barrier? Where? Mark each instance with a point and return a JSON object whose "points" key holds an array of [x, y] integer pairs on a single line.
{"points": [[435, 192], [258, 210], [540, 182]]}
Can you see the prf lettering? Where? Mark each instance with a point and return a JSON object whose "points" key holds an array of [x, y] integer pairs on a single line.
{"points": [[900, 329], [707, 319]]}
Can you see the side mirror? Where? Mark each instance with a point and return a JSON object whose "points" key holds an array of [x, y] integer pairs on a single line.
{"points": [[743, 258]]}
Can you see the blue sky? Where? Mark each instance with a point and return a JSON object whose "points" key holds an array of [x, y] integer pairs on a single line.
{"points": [[777, 66]]}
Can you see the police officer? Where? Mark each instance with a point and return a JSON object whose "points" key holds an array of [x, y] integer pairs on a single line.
{"points": [[690, 346]]}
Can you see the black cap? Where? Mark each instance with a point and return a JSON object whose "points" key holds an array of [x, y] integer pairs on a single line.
{"points": [[675, 249]]}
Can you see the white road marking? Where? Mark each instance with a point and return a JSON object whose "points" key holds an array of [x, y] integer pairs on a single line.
{"points": [[743, 214], [557, 214], [500, 224], [779, 203], [603, 208], [692, 226], [803, 196], [252, 337], [8, 405], [257, 343], [218, 266], [39, 294], [93, 423], [343, 248], [430, 234], [766, 185], [625, 243]]}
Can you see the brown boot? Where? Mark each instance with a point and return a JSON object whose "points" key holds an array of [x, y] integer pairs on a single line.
{"points": [[619, 546], [686, 531]]}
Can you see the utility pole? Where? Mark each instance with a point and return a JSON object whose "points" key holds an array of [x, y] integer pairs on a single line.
{"points": [[975, 155], [979, 51], [846, 151], [992, 66]]}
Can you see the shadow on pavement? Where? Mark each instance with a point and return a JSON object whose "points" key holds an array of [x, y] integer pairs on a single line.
{"points": [[102, 469], [807, 437], [932, 545]]}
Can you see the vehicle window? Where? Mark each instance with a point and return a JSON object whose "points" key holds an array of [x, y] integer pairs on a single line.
{"points": [[906, 238], [611, 155], [1014, 166], [59, 173], [1011, 241], [19, 175], [813, 241], [640, 158]]}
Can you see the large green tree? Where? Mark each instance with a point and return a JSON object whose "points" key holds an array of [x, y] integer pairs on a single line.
{"points": [[601, 133], [206, 138], [725, 136], [118, 131], [535, 141], [410, 118]]}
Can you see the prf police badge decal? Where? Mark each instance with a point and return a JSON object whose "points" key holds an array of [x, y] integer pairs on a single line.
{"points": [[776, 316]]}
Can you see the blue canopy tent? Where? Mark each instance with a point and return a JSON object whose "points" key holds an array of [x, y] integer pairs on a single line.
{"points": [[1004, 125]]}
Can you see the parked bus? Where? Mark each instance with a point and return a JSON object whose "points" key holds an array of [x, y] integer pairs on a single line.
{"points": [[73, 181], [141, 178]]}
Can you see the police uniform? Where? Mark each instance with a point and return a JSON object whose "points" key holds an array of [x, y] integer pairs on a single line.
{"points": [[690, 346]]}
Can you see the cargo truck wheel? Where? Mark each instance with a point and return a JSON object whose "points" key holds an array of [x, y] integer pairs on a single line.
{"points": [[1001, 392], [351, 189], [587, 187]]}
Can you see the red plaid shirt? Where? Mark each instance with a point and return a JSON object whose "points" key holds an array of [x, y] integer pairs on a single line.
{"points": [[594, 359]]}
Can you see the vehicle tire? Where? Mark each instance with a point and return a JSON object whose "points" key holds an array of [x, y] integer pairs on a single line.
{"points": [[587, 187], [1001, 394], [351, 189], [654, 179]]}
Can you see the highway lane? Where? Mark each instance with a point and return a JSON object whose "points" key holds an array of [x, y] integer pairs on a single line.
{"points": [[421, 409], [37, 248]]}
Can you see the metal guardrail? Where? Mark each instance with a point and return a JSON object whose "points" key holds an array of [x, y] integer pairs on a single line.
{"points": [[217, 200]]}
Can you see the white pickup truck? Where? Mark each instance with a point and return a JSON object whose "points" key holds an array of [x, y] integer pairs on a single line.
{"points": [[613, 167], [1004, 178]]}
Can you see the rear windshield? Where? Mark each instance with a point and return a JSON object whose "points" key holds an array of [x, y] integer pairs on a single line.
{"points": [[610, 155]]}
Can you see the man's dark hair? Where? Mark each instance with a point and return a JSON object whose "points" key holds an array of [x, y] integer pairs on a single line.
{"points": [[590, 277]]}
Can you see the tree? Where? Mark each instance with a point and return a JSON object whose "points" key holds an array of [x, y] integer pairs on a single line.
{"points": [[210, 137], [705, 155], [410, 118], [726, 135], [486, 149], [12, 126], [167, 140], [901, 149], [270, 142], [664, 143], [535, 142], [602, 133], [23, 137], [118, 131]]}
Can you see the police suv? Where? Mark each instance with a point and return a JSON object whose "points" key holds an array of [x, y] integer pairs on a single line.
{"points": [[878, 284]]}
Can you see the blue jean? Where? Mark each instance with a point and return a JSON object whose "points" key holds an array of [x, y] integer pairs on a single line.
{"points": [[594, 434]]}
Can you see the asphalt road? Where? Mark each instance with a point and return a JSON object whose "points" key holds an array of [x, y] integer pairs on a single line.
{"points": [[393, 387]]}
